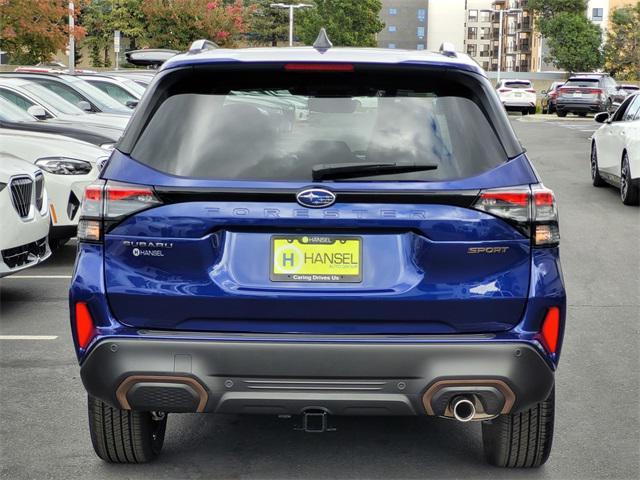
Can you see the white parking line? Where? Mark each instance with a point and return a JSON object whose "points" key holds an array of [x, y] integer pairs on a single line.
{"points": [[15, 277], [28, 337]]}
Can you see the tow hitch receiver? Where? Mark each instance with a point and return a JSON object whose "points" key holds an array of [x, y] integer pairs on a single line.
{"points": [[315, 421]]}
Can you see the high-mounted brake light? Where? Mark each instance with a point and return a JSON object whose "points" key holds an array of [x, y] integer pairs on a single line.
{"points": [[319, 67], [85, 328], [532, 210], [106, 203], [550, 331]]}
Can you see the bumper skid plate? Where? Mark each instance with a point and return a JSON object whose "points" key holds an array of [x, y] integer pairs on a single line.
{"points": [[293, 377]]}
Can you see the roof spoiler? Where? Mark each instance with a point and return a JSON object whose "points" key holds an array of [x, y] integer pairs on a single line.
{"points": [[448, 49], [202, 45], [149, 57]]}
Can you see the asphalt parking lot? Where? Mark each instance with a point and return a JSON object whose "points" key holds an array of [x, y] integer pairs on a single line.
{"points": [[43, 427]]}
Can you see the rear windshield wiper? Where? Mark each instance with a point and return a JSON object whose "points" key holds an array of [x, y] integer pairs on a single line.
{"points": [[332, 171]]}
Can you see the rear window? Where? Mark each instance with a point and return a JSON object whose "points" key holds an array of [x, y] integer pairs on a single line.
{"points": [[582, 82], [517, 84], [281, 126]]}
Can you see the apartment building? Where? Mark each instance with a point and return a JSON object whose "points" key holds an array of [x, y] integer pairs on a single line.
{"points": [[516, 43], [405, 24], [422, 24]]}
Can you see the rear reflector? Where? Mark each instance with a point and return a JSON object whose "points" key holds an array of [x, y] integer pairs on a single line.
{"points": [[550, 331], [85, 327], [318, 67]]}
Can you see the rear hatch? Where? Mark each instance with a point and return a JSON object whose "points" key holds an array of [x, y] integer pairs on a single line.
{"points": [[516, 91], [319, 199], [581, 90]]}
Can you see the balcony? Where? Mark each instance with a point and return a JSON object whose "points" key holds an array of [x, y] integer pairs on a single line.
{"points": [[485, 53], [524, 25]]}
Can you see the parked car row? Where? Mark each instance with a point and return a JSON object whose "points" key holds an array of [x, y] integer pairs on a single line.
{"points": [[585, 93], [581, 94], [56, 134]]}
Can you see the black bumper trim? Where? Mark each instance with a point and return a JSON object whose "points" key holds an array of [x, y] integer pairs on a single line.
{"points": [[290, 377]]}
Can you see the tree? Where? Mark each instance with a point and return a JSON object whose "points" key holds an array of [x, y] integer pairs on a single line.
{"points": [[102, 17], [622, 49], [546, 9], [267, 25], [348, 22], [574, 41], [176, 24], [34, 31]]}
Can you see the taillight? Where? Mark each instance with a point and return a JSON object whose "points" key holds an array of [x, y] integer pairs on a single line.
{"points": [[107, 203], [595, 91], [532, 211], [530, 90], [504, 90], [550, 331]]}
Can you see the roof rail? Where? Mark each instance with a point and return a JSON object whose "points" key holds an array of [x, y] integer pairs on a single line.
{"points": [[448, 49], [202, 45]]}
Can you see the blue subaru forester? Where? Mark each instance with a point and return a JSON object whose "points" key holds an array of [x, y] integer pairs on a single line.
{"points": [[319, 231]]}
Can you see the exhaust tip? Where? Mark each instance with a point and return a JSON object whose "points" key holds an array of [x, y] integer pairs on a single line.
{"points": [[463, 409]]}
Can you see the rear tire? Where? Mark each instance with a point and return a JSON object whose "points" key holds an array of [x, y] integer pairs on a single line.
{"points": [[561, 114], [532, 111], [124, 436], [520, 440], [596, 179], [582, 114], [629, 192]]}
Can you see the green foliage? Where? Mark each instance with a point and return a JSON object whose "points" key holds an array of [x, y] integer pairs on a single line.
{"points": [[102, 17], [546, 9], [622, 50], [268, 25], [348, 22], [574, 42], [177, 24]]}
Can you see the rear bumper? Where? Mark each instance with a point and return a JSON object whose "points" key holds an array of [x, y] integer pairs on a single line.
{"points": [[289, 377], [580, 107]]}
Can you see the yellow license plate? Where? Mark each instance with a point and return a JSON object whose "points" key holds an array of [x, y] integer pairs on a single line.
{"points": [[316, 259]]}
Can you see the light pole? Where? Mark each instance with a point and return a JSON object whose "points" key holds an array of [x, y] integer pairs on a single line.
{"points": [[72, 40], [500, 14], [291, 8]]}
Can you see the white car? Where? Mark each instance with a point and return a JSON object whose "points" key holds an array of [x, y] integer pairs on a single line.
{"points": [[518, 95], [44, 104], [122, 89], [615, 150], [69, 165], [24, 223]]}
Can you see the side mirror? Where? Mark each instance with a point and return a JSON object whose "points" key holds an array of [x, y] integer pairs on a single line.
{"points": [[132, 103], [601, 117], [84, 105], [38, 112]]}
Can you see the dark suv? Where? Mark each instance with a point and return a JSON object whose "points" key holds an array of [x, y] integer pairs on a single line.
{"points": [[586, 93], [387, 249]]}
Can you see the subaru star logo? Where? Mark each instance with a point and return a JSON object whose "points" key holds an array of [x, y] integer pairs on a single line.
{"points": [[316, 198]]}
